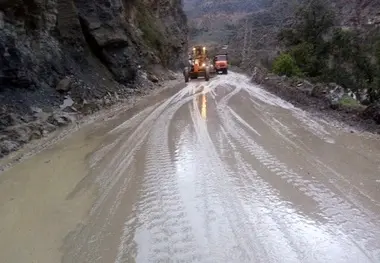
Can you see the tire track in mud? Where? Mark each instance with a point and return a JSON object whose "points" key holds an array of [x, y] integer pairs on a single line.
{"points": [[113, 183], [230, 213], [277, 239], [272, 234], [137, 118], [335, 178], [164, 227], [286, 225], [307, 122], [120, 163], [267, 213], [339, 182], [206, 194], [317, 129], [326, 199]]}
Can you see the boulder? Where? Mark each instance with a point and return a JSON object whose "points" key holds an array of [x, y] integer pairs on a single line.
{"points": [[319, 90], [305, 86], [64, 85], [37, 134], [153, 78], [8, 146], [107, 36], [60, 119], [90, 107], [21, 133], [336, 91]]}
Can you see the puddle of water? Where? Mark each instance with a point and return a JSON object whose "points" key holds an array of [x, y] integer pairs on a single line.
{"points": [[34, 202]]}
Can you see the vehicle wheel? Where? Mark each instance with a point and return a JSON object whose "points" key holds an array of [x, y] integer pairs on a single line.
{"points": [[225, 72], [186, 75], [194, 76], [207, 75]]}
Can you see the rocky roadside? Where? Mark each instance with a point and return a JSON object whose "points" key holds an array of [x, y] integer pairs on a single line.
{"points": [[18, 130], [325, 100], [62, 60]]}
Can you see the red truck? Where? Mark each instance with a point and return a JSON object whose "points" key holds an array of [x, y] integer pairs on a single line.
{"points": [[221, 63]]}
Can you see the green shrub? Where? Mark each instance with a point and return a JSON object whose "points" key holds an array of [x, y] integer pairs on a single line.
{"points": [[349, 102], [308, 59], [285, 64]]}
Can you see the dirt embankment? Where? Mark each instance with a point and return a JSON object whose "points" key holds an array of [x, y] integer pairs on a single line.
{"points": [[63, 59], [328, 99]]}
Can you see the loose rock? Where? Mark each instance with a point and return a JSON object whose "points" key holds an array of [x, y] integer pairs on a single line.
{"points": [[319, 90], [7, 146], [153, 78], [64, 85], [60, 119]]}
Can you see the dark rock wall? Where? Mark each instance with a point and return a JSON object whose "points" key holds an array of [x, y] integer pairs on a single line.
{"points": [[103, 42], [84, 51]]}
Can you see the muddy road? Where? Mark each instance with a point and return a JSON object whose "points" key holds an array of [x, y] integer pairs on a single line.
{"points": [[212, 172]]}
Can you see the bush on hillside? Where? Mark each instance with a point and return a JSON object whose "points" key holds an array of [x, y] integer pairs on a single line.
{"points": [[311, 63], [285, 64], [325, 53], [352, 62]]}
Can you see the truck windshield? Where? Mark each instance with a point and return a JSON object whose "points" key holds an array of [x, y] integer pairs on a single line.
{"points": [[221, 58]]}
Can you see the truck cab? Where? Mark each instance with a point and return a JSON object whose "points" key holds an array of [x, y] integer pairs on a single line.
{"points": [[221, 63]]}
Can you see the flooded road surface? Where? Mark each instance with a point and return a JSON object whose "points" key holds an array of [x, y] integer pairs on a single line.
{"points": [[218, 171]]}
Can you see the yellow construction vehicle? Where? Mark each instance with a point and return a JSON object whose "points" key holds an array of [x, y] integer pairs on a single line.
{"points": [[199, 64]]}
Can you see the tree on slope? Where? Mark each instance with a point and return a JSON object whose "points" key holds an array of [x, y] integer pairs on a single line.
{"points": [[306, 37]]}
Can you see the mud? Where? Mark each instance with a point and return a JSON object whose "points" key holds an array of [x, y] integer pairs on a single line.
{"points": [[213, 172], [358, 118]]}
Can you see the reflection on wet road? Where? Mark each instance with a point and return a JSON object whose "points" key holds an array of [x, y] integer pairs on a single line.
{"points": [[223, 171]]}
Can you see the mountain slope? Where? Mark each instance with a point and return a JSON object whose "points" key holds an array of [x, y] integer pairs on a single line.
{"points": [[251, 27], [87, 50], [211, 21]]}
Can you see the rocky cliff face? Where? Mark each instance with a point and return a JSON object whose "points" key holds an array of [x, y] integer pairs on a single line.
{"points": [[52, 49]]}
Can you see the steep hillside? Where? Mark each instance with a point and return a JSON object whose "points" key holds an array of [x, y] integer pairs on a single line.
{"points": [[199, 8], [212, 21], [81, 51], [255, 39], [251, 27]]}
